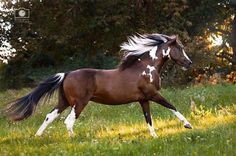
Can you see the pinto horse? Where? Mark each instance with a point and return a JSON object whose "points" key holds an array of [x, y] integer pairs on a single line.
{"points": [[137, 79]]}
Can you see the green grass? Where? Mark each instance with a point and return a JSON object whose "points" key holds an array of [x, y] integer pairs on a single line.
{"points": [[121, 130]]}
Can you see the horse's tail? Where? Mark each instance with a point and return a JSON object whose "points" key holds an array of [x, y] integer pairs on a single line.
{"points": [[24, 107]]}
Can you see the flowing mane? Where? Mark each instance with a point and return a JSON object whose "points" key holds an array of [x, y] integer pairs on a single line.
{"points": [[138, 45]]}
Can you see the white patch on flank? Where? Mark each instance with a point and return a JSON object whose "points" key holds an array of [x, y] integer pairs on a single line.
{"points": [[185, 55], [181, 117], [152, 53], [166, 52], [70, 120], [152, 131], [49, 118], [151, 69]]}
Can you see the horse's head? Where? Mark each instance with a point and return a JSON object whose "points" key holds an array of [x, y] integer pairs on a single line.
{"points": [[174, 49]]}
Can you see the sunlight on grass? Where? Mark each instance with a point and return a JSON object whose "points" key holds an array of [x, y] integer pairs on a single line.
{"points": [[121, 130], [169, 127]]}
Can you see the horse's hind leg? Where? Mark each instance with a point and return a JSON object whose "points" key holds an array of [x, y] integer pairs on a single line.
{"points": [[70, 120], [147, 115], [56, 111], [74, 114]]}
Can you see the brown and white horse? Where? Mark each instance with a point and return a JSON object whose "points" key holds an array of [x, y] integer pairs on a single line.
{"points": [[137, 79]]}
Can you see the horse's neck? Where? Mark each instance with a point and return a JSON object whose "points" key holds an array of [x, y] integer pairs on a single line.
{"points": [[161, 60], [157, 63]]}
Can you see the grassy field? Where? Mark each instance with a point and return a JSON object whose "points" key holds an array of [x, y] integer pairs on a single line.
{"points": [[121, 130]]}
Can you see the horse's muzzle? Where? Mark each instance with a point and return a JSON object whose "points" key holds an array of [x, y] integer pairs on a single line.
{"points": [[187, 65]]}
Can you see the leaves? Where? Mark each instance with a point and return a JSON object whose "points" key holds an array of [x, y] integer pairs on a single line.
{"points": [[64, 29]]}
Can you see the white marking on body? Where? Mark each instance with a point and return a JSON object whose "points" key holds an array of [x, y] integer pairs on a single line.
{"points": [[152, 53], [151, 69], [70, 120], [152, 131], [49, 118], [181, 117], [185, 55], [144, 73], [166, 52]]}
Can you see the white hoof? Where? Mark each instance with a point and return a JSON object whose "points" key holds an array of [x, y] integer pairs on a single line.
{"points": [[38, 134], [188, 126], [154, 135], [71, 133]]}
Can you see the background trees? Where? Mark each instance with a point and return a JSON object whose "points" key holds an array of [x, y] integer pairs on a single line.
{"points": [[64, 35]]}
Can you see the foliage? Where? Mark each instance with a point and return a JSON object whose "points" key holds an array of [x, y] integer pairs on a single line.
{"points": [[121, 130], [34, 72], [60, 30], [231, 77]]}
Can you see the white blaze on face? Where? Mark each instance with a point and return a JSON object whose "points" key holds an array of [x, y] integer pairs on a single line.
{"points": [[166, 52], [159, 81], [151, 69], [185, 55], [152, 53]]}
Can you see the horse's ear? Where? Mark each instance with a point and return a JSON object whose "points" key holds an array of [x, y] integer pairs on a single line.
{"points": [[177, 37], [172, 39]]}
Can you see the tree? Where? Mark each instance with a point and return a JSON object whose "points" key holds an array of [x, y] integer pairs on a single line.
{"points": [[60, 31], [233, 35]]}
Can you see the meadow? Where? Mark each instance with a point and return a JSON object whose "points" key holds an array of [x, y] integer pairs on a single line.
{"points": [[121, 130]]}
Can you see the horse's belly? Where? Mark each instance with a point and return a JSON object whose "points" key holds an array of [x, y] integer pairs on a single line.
{"points": [[108, 101], [116, 98], [114, 88]]}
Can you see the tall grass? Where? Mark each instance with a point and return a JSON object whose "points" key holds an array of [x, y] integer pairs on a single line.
{"points": [[121, 130]]}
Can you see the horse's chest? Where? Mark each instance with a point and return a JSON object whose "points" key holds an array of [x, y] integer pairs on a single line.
{"points": [[151, 79]]}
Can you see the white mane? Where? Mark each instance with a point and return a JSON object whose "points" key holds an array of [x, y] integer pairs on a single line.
{"points": [[139, 44]]}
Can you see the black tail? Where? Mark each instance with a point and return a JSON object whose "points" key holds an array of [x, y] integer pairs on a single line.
{"points": [[24, 107]]}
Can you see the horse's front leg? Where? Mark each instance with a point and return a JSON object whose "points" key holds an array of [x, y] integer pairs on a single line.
{"points": [[147, 115], [161, 100]]}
